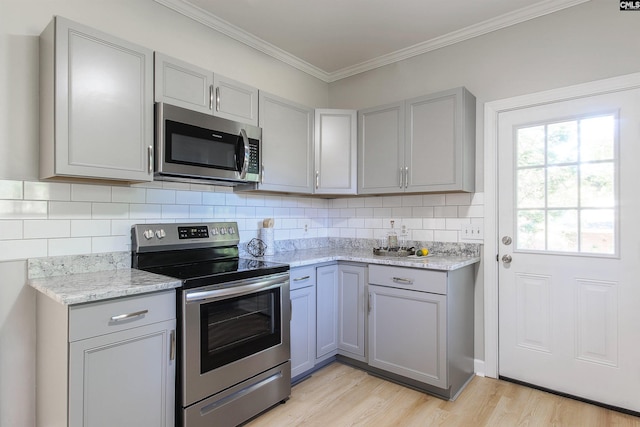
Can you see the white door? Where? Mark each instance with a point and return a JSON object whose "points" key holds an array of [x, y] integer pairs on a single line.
{"points": [[569, 247]]}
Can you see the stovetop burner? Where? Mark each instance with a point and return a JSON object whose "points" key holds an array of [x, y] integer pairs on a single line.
{"points": [[198, 254]]}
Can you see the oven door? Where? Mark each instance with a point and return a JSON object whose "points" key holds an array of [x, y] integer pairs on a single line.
{"points": [[233, 333]]}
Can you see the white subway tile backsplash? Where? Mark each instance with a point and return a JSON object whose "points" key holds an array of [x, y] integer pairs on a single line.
{"points": [[411, 223], [355, 203], [445, 211], [382, 212], [128, 195], [200, 211], [110, 211], [413, 200], [477, 199], [10, 189], [422, 212], [392, 201], [355, 223], [373, 202], [47, 191], [46, 228], [175, 211], [90, 193], [475, 211], [445, 236], [10, 229], [373, 222], [145, 211], [90, 227], [347, 212], [364, 212], [264, 212], [22, 249], [434, 223], [458, 199], [223, 212], [213, 199], [111, 244], [364, 233], [433, 200], [422, 235], [161, 196], [348, 233], [234, 199], [119, 227], [188, 198], [401, 212], [23, 209], [246, 212], [69, 210], [73, 246], [456, 223]]}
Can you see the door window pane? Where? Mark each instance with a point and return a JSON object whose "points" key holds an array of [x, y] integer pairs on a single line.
{"points": [[566, 186]]}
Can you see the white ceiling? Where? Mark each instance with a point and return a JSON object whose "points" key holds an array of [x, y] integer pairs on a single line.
{"points": [[333, 39]]}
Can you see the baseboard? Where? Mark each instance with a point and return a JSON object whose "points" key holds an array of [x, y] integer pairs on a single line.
{"points": [[478, 367]]}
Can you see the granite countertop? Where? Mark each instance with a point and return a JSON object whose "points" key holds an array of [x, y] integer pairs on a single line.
{"points": [[302, 258], [96, 286]]}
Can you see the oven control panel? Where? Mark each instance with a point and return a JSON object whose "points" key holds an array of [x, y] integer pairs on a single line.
{"points": [[149, 237]]}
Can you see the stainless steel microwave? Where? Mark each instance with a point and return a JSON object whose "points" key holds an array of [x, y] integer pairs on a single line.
{"points": [[190, 144]]}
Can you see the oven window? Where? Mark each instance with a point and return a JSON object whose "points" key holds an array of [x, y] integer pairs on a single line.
{"points": [[238, 327]]}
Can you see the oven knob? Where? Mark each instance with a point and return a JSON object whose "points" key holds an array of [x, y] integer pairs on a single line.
{"points": [[232, 230], [148, 234], [214, 231], [160, 233], [223, 230]]}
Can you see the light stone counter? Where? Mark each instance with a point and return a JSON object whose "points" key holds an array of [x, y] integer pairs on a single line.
{"points": [[300, 258], [87, 287]]}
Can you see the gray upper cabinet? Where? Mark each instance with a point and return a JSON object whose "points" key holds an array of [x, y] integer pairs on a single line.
{"points": [[381, 149], [182, 84], [335, 151], [96, 105], [185, 85], [287, 145], [424, 144]]}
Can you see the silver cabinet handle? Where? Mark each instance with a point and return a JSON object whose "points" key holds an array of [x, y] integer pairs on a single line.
{"points": [[403, 280], [172, 351], [369, 303], [210, 97], [406, 177], [262, 173], [128, 315], [218, 98], [150, 153], [317, 179], [401, 177], [298, 279]]}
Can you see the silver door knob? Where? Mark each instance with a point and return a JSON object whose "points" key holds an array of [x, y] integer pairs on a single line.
{"points": [[506, 259]]}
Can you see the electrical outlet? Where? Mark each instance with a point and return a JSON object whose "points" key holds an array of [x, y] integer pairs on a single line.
{"points": [[472, 232], [306, 228]]}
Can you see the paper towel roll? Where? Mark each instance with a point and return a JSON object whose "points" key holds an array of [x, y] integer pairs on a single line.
{"points": [[266, 235]]}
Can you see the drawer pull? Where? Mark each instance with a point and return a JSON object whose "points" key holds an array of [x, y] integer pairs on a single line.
{"points": [[403, 281], [172, 351], [128, 315], [298, 279]]}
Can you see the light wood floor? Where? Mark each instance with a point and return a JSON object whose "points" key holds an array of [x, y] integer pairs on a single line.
{"points": [[339, 395]]}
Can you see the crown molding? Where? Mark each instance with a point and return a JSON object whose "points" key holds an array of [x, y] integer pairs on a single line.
{"points": [[531, 12]]}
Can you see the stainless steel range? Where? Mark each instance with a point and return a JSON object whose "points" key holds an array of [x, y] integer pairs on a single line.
{"points": [[233, 321]]}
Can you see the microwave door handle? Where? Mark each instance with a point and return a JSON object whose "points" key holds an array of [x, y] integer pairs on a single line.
{"points": [[245, 163]]}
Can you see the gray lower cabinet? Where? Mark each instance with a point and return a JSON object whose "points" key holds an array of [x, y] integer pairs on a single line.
{"points": [[106, 363], [352, 315], [327, 292], [303, 320], [188, 86], [96, 105], [421, 326]]}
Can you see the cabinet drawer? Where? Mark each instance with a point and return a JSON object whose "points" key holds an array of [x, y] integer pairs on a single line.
{"points": [[409, 278], [99, 318], [302, 277]]}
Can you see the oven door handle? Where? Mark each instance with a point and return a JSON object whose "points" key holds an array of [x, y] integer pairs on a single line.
{"points": [[216, 294]]}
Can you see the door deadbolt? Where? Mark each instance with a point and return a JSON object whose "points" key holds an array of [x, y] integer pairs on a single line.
{"points": [[506, 240]]}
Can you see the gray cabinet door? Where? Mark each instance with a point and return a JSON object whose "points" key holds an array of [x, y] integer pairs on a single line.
{"points": [[351, 309], [97, 105], [287, 145], [381, 149], [123, 379], [234, 100], [303, 330], [408, 334], [182, 84], [326, 311], [335, 151], [440, 142]]}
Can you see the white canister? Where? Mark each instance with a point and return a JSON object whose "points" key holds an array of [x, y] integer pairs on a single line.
{"points": [[266, 235]]}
